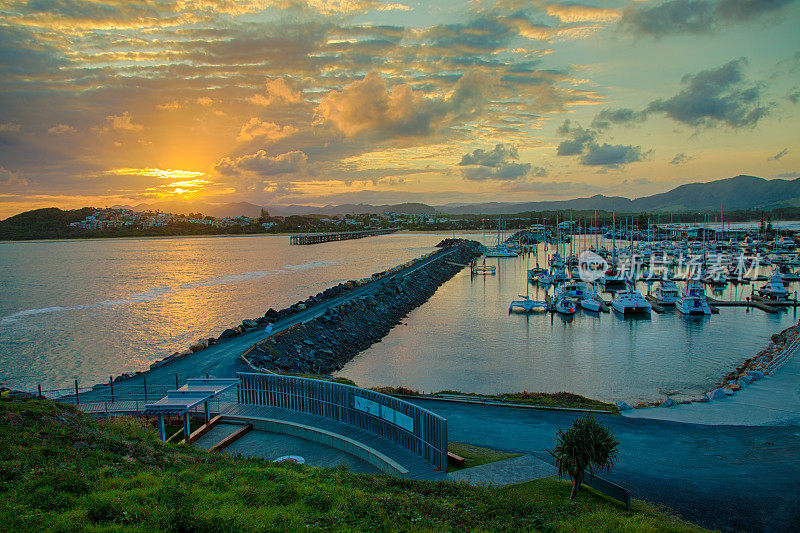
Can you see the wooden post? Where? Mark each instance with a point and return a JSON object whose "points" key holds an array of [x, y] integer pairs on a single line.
{"points": [[77, 398], [176, 380], [111, 384], [40, 391], [144, 376]]}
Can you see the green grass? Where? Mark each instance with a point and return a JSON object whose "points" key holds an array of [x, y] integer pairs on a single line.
{"points": [[597, 512], [543, 399], [61, 470], [476, 456]]}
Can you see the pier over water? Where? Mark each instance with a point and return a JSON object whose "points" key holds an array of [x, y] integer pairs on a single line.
{"points": [[316, 238]]}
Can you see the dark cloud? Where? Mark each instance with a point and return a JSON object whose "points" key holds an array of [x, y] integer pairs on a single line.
{"points": [[580, 138], [612, 155], [788, 175], [715, 96], [680, 159], [499, 163], [504, 172], [584, 142], [777, 156], [794, 96], [495, 157], [695, 16], [605, 118]]}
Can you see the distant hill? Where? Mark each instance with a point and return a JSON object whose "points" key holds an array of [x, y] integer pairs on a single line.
{"points": [[740, 192], [47, 223]]}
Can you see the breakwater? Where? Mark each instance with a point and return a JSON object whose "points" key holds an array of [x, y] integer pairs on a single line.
{"points": [[324, 344]]}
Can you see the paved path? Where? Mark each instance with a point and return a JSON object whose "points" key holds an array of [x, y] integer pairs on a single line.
{"points": [[223, 359], [416, 466], [507, 472], [773, 400], [727, 477], [271, 446]]}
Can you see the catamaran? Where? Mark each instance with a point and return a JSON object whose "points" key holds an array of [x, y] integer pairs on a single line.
{"points": [[630, 301]]}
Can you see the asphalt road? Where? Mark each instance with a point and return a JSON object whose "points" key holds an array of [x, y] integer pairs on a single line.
{"points": [[727, 477]]}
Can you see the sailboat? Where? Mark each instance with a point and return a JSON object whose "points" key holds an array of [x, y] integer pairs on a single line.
{"points": [[563, 304], [527, 305], [591, 300], [501, 249]]}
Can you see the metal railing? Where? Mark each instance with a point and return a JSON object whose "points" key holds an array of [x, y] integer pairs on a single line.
{"points": [[407, 425]]}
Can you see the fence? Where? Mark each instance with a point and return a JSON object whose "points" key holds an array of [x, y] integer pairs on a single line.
{"points": [[413, 428], [120, 397]]}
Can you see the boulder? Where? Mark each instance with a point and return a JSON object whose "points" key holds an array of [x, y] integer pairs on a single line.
{"points": [[755, 374], [729, 392], [703, 398], [623, 406], [249, 323], [196, 347], [669, 402], [230, 332], [718, 394]]}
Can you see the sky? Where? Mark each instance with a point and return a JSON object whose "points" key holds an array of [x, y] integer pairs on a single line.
{"points": [[315, 102]]}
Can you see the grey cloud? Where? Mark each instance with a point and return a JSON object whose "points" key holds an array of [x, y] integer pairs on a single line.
{"points": [[788, 175], [777, 156], [612, 155], [495, 157], [580, 138], [606, 117], [584, 142], [680, 159], [497, 164], [715, 96], [695, 16], [504, 172]]}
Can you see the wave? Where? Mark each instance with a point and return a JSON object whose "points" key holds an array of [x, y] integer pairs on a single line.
{"points": [[159, 292]]}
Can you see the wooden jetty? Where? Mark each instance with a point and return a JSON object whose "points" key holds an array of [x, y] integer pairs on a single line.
{"points": [[655, 303], [316, 238]]}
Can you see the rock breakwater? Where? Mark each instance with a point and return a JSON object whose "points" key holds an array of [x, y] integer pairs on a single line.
{"points": [[324, 344]]}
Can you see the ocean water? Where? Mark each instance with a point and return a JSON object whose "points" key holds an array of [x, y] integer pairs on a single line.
{"points": [[87, 309]]}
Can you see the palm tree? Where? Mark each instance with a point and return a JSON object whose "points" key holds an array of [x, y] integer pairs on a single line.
{"points": [[586, 444]]}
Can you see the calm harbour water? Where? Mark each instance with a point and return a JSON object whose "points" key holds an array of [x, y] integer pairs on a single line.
{"points": [[89, 309]]}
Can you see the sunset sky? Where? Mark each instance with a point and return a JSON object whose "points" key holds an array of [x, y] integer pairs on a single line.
{"points": [[106, 102]]}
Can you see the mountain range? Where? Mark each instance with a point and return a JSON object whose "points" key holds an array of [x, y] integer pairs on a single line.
{"points": [[739, 192]]}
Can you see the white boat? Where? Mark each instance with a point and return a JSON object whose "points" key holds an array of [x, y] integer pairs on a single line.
{"points": [[667, 292], [591, 301], [527, 305], [774, 289], [693, 300], [563, 304], [630, 302], [500, 251], [613, 277]]}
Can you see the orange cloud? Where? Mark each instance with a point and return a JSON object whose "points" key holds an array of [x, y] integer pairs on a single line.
{"points": [[255, 128]]}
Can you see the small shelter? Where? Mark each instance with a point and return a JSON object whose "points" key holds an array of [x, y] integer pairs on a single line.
{"points": [[181, 402]]}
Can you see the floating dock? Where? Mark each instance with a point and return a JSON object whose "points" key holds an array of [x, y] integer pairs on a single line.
{"points": [[317, 238]]}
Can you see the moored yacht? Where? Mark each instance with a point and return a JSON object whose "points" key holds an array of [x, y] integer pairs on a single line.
{"points": [[563, 304], [629, 302], [774, 289], [693, 300], [667, 292]]}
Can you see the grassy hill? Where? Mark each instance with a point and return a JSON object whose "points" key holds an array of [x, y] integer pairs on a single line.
{"points": [[61, 470], [47, 223]]}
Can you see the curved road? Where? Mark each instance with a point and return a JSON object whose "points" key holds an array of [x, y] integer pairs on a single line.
{"points": [[728, 477]]}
